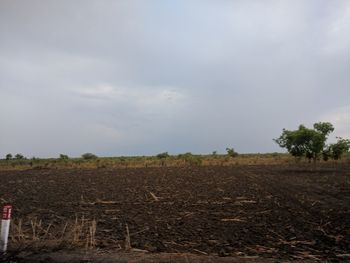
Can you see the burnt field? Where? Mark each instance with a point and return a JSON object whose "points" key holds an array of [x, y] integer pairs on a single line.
{"points": [[278, 211]]}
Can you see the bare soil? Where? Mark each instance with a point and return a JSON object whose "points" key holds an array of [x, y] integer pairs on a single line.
{"points": [[274, 211]]}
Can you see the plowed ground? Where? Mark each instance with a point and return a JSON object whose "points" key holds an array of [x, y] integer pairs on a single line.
{"points": [[288, 212]]}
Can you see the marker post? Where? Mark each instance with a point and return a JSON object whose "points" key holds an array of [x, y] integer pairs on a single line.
{"points": [[5, 227]]}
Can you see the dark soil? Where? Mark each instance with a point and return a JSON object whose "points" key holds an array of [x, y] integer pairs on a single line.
{"points": [[281, 212]]}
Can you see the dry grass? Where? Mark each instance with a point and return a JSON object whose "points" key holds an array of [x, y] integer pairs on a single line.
{"points": [[33, 233], [36, 234]]}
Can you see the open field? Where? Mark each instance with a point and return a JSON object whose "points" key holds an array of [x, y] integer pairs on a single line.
{"points": [[285, 211]]}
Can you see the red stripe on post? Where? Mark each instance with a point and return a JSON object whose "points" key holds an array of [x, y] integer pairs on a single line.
{"points": [[6, 212]]}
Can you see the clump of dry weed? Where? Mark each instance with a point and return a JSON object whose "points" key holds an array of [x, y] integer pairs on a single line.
{"points": [[36, 234]]}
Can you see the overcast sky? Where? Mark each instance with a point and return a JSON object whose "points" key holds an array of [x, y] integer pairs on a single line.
{"points": [[143, 77]]}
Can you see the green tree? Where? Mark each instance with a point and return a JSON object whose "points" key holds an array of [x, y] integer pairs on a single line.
{"points": [[19, 156], [324, 127], [336, 150], [8, 156], [305, 142], [231, 152]]}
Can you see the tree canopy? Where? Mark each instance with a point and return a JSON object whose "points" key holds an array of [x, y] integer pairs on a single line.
{"points": [[311, 143]]}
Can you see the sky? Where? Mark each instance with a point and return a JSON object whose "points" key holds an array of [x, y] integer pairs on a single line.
{"points": [[131, 77]]}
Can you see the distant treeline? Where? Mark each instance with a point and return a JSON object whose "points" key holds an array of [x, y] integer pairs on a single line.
{"points": [[92, 161]]}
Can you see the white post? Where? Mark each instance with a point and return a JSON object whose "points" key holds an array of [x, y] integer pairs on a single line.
{"points": [[5, 227]]}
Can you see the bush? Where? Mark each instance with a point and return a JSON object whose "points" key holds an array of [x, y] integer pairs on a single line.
{"points": [[63, 157], [191, 159], [195, 160], [89, 156], [163, 155]]}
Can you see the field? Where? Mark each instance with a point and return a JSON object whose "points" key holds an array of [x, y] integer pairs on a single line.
{"points": [[285, 211]]}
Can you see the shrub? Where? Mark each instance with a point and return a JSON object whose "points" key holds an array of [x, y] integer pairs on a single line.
{"points": [[63, 157], [195, 160], [163, 155], [89, 156], [190, 158]]}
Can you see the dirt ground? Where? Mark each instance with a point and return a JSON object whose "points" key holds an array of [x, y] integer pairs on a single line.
{"points": [[279, 212], [95, 256]]}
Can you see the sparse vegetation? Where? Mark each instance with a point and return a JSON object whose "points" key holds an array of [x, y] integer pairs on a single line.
{"points": [[153, 161], [33, 232]]}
